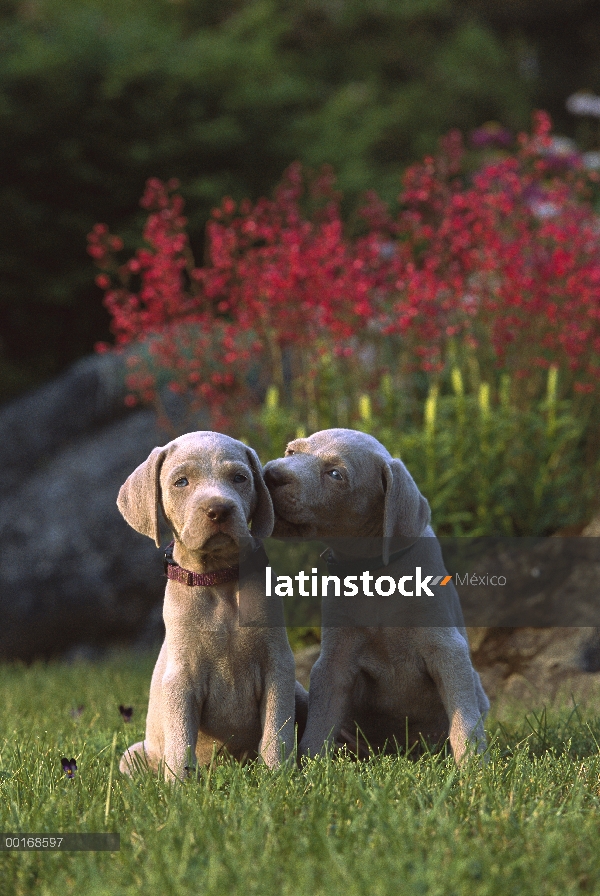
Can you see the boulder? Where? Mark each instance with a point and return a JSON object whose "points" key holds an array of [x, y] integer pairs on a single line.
{"points": [[38, 425], [73, 572], [536, 666], [542, 665]]}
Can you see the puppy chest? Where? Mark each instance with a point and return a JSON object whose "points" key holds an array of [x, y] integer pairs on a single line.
{"points": [[398, 688], [396, 706], [231, 698]]}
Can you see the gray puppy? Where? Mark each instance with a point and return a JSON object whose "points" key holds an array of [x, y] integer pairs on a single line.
{"points": [[216, 685], [396, 685]]}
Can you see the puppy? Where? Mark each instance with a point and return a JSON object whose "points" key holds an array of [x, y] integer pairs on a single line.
{"points": [[392, 685], [216, 685]]}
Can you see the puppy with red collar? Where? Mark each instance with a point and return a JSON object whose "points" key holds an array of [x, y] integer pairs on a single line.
{"points": [[217, 686]]}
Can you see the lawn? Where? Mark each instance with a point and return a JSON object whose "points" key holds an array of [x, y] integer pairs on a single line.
{"points": [[526, 822]]}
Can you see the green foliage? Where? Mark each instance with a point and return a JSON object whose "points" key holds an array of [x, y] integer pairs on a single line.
{"points": [[525, 823], [96, 96], [489, 463]]}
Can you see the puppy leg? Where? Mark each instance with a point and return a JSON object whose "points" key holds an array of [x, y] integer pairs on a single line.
{"points": [[180, 715], [482, 698], [147, 753], [134, 759], [446, 654], [277, 712], [328, 700]]}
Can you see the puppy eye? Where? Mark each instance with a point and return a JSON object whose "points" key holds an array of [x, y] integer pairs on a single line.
{"points": [[181, 482], [239, 477], [335, 474], [289, 451]]}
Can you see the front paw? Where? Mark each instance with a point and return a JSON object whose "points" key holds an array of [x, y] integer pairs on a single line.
{"points": [[472, 749], [276, 751], [179, 768]]}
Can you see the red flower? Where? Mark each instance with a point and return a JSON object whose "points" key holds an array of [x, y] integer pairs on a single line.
{"points": [[504, 262]]}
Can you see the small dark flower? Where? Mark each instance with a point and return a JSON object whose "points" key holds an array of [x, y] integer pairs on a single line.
{"points": [[76, 711], [126, 712], [69, 767]]}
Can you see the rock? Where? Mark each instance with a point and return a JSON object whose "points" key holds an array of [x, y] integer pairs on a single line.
{"points": [[535, 666], [73, 572], [35, 427], [540, 665], [592, 530]]}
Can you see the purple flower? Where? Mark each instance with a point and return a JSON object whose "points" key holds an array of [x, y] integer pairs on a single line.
{"points": [[126, 712], [69, 767]]}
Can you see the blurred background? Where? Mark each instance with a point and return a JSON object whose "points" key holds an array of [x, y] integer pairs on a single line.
{"points": [[96, 96]]}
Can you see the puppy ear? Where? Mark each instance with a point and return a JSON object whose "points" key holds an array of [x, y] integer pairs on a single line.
{"points": [[263, 518], [406, 512], [139, 496]]}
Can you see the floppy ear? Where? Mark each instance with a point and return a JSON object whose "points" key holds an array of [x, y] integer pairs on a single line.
{"points": [[139, 496], [406, 512], [263, 518]]}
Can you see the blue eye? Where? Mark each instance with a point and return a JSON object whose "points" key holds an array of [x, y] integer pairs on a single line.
{"points": [[335, 474], [181, 482], [239, 477]]}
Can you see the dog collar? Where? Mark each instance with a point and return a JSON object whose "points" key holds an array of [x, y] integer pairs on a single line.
{"points": [[216, 577], [364, 564]]}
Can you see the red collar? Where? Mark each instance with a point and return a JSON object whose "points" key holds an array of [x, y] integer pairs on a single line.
{"points": [[187, 577]]}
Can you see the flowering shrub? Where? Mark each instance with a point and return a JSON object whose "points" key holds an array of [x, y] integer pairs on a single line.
{"points": [[494, 269]]}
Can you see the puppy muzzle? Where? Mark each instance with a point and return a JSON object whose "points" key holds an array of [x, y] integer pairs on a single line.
{"points": [[214, 523], [285, 486]]}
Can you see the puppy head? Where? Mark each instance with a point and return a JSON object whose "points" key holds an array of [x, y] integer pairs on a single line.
{"points": [[341, 483], [209, 487]]}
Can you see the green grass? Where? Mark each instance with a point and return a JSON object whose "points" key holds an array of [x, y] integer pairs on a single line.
{"points": [[528, 822]]}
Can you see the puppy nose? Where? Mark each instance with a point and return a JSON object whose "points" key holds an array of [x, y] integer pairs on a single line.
{"points": [[275, 476], [218, 509]]}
